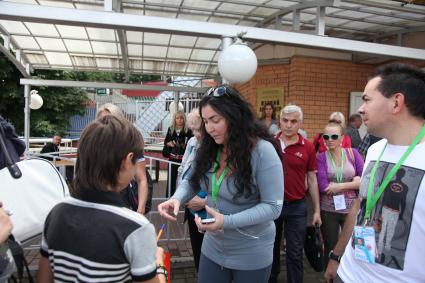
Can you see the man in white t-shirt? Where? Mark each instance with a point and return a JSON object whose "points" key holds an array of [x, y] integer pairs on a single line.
{"points": [[392, 226]]}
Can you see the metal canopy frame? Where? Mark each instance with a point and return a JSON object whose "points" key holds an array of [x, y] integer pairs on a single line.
{"points": [[185, 37], [182, 37], [81, 84]]}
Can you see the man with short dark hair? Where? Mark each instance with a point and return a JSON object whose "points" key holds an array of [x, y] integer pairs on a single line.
{"points": [[52, 146], [355, 121], [367, 141], [391, 207]]}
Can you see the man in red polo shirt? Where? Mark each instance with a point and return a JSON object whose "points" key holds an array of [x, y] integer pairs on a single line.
{"points": [[299, 163]]}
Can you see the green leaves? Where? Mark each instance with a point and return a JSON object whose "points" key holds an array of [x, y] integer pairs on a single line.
{"points": [[59, 104]]}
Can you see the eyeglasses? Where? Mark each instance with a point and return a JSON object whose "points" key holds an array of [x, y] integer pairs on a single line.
{"points": [[327, 137], [334, 121], [218, 91]]}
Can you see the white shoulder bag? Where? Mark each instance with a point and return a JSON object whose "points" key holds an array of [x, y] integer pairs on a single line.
{"points": [[29, 189]]}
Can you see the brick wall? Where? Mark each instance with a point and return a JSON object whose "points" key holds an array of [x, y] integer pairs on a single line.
{"points": [[318, 86]]}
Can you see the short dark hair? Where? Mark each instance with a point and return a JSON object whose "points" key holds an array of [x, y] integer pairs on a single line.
{"points": [[354, 117], [103, 146], [405, 79]]}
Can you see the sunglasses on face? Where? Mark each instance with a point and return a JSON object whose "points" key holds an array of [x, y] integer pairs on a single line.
{"points": [[218, 91], [334, 137], [334, 121]]}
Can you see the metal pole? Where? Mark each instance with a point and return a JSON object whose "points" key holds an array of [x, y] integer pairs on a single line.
{"points": [[27, 118], [137, 112], [176, 102], [226, 41]]}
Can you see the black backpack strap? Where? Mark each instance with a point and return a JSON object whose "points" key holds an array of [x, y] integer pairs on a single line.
{"points": [[13, 168], [19, 258]]}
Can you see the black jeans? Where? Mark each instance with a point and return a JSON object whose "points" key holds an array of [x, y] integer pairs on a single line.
{"points": [[196, 238], [294, 217], [332, 223], [172, 177]]}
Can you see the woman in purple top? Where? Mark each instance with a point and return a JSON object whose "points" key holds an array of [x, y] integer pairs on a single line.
{"points": [[338, 175]]}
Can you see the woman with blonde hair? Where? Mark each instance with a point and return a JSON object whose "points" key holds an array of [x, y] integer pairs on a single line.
{"points": [[318, 141], [196, 206], [109, 108], [175, 142], [338, 176]]}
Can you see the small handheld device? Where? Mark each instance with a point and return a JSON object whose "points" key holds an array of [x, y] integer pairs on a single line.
{"points": [[207, 220]]}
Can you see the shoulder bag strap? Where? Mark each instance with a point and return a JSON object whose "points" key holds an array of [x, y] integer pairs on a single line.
{"points": [[351, 154], [12, 167]]}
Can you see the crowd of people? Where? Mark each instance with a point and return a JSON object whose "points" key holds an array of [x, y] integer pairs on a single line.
{"points": [[236, 246], [244, 183]]}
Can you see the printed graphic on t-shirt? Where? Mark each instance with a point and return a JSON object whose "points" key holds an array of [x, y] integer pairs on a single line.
{"points": [[392, 215]]}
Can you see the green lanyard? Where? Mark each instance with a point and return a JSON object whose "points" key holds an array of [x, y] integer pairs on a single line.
{"points": [[371, 199], [339, 172], [217, 183]]}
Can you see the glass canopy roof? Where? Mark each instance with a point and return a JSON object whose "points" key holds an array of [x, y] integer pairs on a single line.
{"points": [[47, 45]]}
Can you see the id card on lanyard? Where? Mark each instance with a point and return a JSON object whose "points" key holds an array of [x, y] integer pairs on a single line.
{"points": [[364, 244], [372, 198]]}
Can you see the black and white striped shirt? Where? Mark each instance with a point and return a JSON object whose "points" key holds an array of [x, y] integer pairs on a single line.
{"points": [[96, 239]]}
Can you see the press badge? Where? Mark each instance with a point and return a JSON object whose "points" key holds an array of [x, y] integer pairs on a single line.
{"points": [[364, 244], [339, 202]]}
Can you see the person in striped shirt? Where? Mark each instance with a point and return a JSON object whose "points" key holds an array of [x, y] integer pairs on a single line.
{"points": [[91, 236]]}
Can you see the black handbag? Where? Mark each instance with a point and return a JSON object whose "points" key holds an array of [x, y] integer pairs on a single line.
{"points": [[313, 248]]}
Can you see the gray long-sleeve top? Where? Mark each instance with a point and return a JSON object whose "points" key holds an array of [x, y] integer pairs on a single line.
{"points": [[246, 241]]}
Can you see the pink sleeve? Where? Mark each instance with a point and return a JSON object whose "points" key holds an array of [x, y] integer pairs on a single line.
{"points": [[322, 172]]}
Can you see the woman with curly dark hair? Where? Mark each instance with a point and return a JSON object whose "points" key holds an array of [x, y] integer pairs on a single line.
{"points": [[239, 166]]}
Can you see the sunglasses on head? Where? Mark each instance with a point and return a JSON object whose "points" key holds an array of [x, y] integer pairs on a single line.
{"points": [[332, 137], [218, 91]]}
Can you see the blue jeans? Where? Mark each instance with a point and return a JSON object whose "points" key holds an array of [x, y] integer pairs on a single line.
{"points": [[294, 217]]}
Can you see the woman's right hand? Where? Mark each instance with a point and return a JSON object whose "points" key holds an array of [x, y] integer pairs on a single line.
{"points": [[169, 209]]}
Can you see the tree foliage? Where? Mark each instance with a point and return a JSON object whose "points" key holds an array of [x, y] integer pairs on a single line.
{"points": [[60, 104], [11, 93]]}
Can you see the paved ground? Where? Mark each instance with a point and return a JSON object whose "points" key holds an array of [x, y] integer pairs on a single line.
{"points": [[176, 242]]}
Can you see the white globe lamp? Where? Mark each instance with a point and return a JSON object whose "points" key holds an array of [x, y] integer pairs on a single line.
{"points": [[237, 63], [173, 107], [36, 100]]}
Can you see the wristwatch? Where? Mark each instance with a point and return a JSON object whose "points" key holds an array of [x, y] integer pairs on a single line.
{"points": [[160, 269], [335, 257]]}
